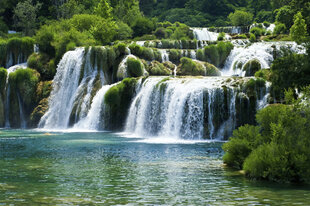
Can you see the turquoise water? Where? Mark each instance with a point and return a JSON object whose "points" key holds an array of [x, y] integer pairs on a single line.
{"points": [[108, 169]]}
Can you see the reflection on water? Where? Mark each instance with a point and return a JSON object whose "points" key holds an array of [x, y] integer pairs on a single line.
{"points": [[103, 168]]}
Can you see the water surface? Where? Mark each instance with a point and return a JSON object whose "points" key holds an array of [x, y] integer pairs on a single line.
{"points": [[104, 168]]}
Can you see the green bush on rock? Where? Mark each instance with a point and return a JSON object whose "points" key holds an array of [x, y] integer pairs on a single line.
{"points": [[134, 67], [190, 67], [158, 69], [45, 66], [251, 67]]}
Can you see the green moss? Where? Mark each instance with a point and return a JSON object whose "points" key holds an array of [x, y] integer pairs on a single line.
{"points": [[121, 48], [43, 64], [17, 48], [252, 38], [216, 54], [3, 77], [211, 70], [158, 69], [134, 67], [264, 74], [174, 55], [251, 67], [43, 90], [38, 112], [118, 99], [190, 67], [147, 54]]}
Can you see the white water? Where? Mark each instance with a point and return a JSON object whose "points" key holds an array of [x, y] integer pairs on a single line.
{"points": [[203, 34], [176, 109], [94, 121], [262, 51], [65, 88], [164, 55], [7, 99]]}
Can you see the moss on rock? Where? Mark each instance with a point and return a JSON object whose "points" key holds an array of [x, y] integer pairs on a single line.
{"points": [[158, 69], [251, 67], [190, 67], [38, 112], [43, 64]]}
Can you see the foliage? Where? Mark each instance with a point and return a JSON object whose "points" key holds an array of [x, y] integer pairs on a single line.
{"points": [[103, 9], [190, 67], [25, 16], [45, 66], [252, 37], [298, 31], [142, 26], [221, 36], [264, 74], [278, 149], [216, 54], [240, 18], [280, 29], [158, 69], [134, 67], [123, 31], [285, 16], [3, 76], [251, 67], [292, 71]]}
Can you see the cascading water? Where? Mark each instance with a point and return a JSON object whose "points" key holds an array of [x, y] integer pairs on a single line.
{"points": [[204, 34], [94, 121], [263, 52], [7, 99], [186, 108], [164, 55]]}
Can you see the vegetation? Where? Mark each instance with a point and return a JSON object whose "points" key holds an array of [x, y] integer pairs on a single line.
{"points": [[276, 149], [240, 18]]}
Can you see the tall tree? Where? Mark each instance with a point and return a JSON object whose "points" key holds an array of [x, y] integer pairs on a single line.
{"points": [[298, 31], [25, 16]]}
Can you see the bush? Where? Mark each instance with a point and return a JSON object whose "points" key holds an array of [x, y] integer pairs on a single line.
{"points": [[280, 29], [264, 74], [158, 69], [221, 36], [257, 31], [251, 67], [266, 24], [3, 76], [123, 31], [43, 65], [240, 145], [285, 15], [252, 38], [190, 67], [217, 54], [240, 18], [134, 67], [142, 26]]}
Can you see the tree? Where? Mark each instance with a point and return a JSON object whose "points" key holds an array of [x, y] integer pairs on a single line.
{"points": [[103, 9], [25, 16], [241, 18], [298, 31], [69, 9], [285, 15]]}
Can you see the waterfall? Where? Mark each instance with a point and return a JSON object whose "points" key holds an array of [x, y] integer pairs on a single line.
{"points": [[7, 99], [93, 120], [262, 51], [65, 89], [186, 108], [23, 123], [164, 55], [204, 34]]}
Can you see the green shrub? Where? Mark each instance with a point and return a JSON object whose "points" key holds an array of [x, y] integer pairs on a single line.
{"points": [[251, 67], [134, 67], [123, 31], [264, 74], [43, 65], [221, 36], [240, 145], [252, 38], [266, 24], [158, 69], [147, 54], [240, 18], [142, 26], [174, 55], [257, 31], [280, 29], [211, 70], [3, 76], [190, 67], [216, 54]]}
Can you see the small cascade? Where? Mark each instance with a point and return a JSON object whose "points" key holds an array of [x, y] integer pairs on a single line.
{"points": [[94, 121], [65, 89], [263, 52], [23, 123], [8, 92], [164, 55], [186, 108], [204, 34]]}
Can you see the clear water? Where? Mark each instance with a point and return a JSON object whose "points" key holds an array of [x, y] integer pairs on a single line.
{"points": [[104, 168]]}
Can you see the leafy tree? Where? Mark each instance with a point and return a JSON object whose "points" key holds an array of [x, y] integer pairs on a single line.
{"points": [[285, 15], [69, 9], [143, 26], [103, 9], [241, 18], [25, 15], [298, 31]]}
